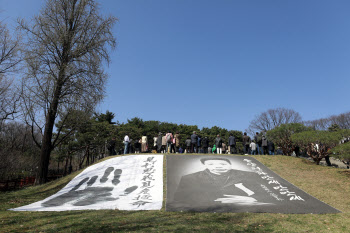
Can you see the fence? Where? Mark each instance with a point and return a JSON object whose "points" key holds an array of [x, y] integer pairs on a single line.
{"points": [[18, 183]]}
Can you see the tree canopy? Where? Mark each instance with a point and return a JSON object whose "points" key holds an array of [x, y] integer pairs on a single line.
{"points": [[65, 49], [317, 143], [281, 136]]}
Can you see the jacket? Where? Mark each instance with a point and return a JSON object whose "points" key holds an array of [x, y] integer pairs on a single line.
{"points": [[159, 141], [231, 141], [264, 141], [205, 142], [218, 142], [199, 141], [246, 140], [177, 140], [271, 146], [194, 138]]}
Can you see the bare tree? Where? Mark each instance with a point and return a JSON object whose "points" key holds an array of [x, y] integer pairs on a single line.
{"points": [[272, 118], [18, 152], [342, 120], [319, 124], [66, 47], [9, 59]]}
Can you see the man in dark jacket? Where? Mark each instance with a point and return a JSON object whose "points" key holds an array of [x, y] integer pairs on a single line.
{"points": [[271, 147], [257, 139], [159, 142], [194, 139], [246, 143], [205, 144], [219, 186], [199, 144], [232, 144]]}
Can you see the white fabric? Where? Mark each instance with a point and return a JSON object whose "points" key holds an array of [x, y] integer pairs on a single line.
{"points": [[144, 173], [252, 146], [219, 150], [126, 138], [144, 139]]}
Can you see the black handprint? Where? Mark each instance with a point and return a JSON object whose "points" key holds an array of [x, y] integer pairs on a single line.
{"points": [[90, 195]]}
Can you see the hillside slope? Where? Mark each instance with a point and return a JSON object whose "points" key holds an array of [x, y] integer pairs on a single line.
{"points": [[329, 185]]}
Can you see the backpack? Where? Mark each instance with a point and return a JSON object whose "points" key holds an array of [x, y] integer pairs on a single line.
{"points": [[259, 140], [168, 138]]}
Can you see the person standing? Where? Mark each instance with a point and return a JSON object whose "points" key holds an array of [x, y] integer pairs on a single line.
{"points": [[224, 148], [144, 144], [264, 144], [218, 143], [163, 143], [131, 148], [252, 148], [173, 148], [188, 145], [257, 139], [159, 143], [169, 139], [199, 144], [205, 144], [155, 139], [177, 141], [232, 144], [194, 139], [137, 146], [271, 148], [126, 144], [246, 143]]}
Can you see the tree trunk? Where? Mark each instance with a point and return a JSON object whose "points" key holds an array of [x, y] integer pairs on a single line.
{"points": [[46, 147], [85, 154], [70, 164], [88, 158], [66, 165], [45, 151]]}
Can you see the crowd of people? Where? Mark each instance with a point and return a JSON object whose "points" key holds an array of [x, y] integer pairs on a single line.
{"points": [[170, 143]]}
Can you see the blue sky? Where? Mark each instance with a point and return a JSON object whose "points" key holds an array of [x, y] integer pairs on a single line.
{"points": [[222, 62]]}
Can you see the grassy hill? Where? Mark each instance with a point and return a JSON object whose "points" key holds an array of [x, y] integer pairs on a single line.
{"points": [[329, 185]]}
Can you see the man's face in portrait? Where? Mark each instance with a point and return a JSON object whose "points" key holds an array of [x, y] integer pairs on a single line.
{"points": [[217, 167]]}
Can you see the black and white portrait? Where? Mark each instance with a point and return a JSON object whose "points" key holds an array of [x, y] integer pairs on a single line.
{"points": [[229, 184]]}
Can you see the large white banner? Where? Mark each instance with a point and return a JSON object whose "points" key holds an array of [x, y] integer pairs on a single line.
{"points": [[132, 182]]}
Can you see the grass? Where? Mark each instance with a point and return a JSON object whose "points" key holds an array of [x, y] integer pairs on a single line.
{"points": [[329, 185]]}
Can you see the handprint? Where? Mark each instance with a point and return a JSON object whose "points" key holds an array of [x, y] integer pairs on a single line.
{"points": [[91, 195]]}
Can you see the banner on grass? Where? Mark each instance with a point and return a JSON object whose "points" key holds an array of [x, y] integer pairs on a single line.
{"points": [[132, 182], [233, 184]]}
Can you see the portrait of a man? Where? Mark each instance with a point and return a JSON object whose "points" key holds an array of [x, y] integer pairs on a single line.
{"points": [[219, 186]]}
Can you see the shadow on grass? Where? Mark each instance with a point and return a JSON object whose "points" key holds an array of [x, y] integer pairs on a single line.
{"points": [[29, 195], [345, 173]]}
